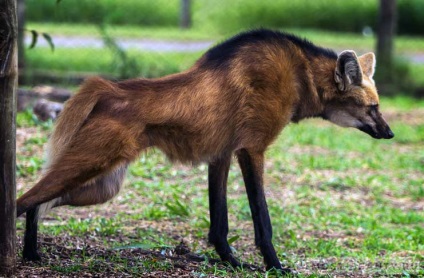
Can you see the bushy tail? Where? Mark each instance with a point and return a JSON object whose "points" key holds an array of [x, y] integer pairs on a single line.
{"points": [[70, 120], [74, 114]]}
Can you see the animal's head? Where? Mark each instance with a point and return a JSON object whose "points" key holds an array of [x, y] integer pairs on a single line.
{"points": [[356, 103]]}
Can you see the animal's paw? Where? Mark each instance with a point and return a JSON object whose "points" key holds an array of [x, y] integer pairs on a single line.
{"points": [[283, 271], [232, 261]]}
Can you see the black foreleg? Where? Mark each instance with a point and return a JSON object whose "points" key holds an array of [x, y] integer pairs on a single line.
{"points": [[252, 166], [30, 239], [218, 174]]}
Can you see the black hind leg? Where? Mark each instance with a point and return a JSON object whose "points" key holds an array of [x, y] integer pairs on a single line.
{"points": [[30, 239], [103, 189]]}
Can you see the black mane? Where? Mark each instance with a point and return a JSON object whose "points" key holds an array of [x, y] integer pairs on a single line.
{"points": [[220, 54]]}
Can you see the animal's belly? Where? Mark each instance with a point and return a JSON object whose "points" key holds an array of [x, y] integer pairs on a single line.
{"points": [[186, 146]]}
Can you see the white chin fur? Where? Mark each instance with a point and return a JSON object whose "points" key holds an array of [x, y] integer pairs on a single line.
{"points": [[344, 119]]}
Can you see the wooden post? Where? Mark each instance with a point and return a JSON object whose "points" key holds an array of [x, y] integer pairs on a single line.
{"points": [[8, 84], [386, 27], [185, 16]]}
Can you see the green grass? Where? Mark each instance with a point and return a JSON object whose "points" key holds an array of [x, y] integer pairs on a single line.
{"points": [[417, 74], [122, 31], [28, 119], [30, 165], [103, 61], [402, 103], [338, 200]]}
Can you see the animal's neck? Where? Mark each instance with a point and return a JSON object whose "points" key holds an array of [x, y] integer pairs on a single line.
{"points": [[323, 72], [320, 86]]}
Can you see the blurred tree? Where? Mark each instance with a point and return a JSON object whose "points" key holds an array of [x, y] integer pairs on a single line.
{"points": [[185, 16], [386, 27], [8, 84]]}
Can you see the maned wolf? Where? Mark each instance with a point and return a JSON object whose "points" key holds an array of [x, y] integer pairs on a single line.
{"points": [[235, 100]]}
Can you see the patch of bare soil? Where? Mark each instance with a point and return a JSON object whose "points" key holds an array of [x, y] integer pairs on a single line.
{"points": [[87, 257]]}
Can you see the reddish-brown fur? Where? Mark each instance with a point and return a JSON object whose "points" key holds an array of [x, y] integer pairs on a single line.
{"points": [[194, 116], [204, 114]]}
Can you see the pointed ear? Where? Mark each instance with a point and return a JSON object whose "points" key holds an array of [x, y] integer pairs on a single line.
{"points": [[367, 62], [348, 71]]}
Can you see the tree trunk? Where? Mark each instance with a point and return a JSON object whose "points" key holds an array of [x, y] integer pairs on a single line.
{"points": [[185, 19], [386, 27], [8, 84], [21, 35]]}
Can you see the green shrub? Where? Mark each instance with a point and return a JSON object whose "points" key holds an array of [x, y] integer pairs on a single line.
{"points": [[229, 16], [139, 12], [350, 16], [325, 14], [411, 17], [406, 78]]}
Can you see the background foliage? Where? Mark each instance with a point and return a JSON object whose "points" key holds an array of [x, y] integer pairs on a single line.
{"points": [[345, 16]]}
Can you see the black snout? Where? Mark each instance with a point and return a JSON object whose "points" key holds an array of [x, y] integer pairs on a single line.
{"points": [[389, 134], [379, 128], [385, 133]]}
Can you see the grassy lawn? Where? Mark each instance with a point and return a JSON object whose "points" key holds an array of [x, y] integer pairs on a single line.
{"points": [[341, 203], [122, 31], [417, 74], [104, 61]]}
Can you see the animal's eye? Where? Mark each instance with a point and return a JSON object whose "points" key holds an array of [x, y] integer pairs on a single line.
{"points": [[373, 106]]}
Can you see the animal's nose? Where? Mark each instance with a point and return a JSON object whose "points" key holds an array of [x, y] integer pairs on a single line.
{"points": [[390, 134]]}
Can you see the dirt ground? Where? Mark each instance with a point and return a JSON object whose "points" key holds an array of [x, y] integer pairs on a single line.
{"points": [[58, 251]]}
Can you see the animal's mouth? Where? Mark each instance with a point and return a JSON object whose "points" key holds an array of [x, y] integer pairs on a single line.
{"points": [[383, 134]]}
